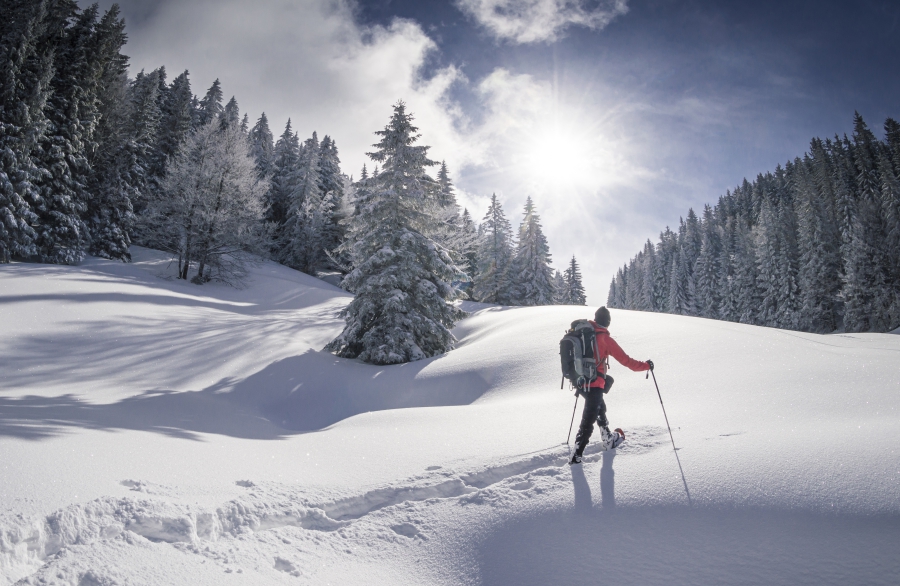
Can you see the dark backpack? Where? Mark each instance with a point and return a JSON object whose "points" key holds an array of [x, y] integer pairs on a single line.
{"points": [[578, 354]]}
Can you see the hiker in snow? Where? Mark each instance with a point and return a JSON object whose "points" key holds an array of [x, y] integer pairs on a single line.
{"points": [[594, 405]]}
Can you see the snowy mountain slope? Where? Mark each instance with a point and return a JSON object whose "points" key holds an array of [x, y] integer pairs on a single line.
{"points": [[153, 431]]}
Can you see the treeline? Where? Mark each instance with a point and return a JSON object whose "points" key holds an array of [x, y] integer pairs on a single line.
{"points": [[814, 246], [93, 160]]}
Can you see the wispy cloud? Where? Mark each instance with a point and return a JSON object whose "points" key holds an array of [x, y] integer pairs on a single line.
{"points": [[534, 21]]}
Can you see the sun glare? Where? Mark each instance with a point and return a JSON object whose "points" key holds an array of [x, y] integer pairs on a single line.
{"points": [[561, 156]]}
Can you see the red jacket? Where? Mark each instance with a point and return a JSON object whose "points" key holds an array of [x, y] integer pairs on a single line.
{"points": [[607, 347]]}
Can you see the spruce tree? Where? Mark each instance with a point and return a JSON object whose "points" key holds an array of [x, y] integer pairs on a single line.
{"points": [[465, 244], [334, 207], [495, 254], [302, 245], [401, 278], [210, 107], [533, 276], [29, 32], [262, 146], [574, 289], [111, 184], [285, 181]]}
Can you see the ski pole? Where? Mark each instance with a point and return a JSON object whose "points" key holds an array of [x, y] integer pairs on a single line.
{"points": [[568, 437], [674, 449]]}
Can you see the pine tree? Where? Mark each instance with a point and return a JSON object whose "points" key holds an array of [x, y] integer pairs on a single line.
{"points": [[210, 107], [447, 211], [533, 275], [495, 254], [334, 207], [465, 244], [111, 185], [285, 181], [574, 289], [303, 246], [707, 269], [176, 116], [262, 146], [62, 236], [401, 278], [231, 115], [819, 247], [27, 32]]}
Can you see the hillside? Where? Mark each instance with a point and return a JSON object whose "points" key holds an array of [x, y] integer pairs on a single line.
{"points": [[158, 432]]}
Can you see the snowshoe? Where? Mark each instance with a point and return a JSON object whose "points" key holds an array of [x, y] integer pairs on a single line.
{"points": [[611, 439], [576, 459]]}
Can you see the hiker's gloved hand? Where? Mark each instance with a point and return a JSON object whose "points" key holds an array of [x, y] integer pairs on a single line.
{"points": [[650, 364]]}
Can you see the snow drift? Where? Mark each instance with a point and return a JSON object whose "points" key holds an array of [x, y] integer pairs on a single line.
{"points": [[153, 431]]}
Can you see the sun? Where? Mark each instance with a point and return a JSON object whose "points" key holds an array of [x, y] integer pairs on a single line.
{"points": [[560, 154]]}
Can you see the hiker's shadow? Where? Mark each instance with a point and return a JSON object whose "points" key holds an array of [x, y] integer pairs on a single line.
{"points": [[583, 498], [608, 481]]}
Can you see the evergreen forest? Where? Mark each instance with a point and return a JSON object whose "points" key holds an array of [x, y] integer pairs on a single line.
{"points": [[92, 161], [814, 246]]}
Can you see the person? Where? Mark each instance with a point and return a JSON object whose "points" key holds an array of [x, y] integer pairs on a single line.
{"points": [[594, 405]]}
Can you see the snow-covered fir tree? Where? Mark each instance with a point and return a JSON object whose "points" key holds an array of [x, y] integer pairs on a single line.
{"points": [[262, 145], [113, 182], [812, 246], [25, 71], [302, 243], [210, 107], [533, 277], [285, 181], [402, 279], [495, 255], [559, 289], [574, 292], [334, 206], [465, 244]]}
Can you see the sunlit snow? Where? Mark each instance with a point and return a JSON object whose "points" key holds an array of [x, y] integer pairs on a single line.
{"points": [[154, 431]]}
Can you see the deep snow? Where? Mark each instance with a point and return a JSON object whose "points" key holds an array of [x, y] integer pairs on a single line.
{"points": [[153, 431]]}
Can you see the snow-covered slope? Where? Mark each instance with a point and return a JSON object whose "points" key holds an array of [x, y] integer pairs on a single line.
{"points": [[157, 432]]}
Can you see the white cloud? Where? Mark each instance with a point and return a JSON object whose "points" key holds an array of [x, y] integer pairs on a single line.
{"points": [[311, 61], [531, 21], [307, 60]]}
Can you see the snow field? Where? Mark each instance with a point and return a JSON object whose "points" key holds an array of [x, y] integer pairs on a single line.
{"points": [[153, 431]]}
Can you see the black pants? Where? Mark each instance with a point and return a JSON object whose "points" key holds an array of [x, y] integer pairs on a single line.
{"points": [[594, 412]]}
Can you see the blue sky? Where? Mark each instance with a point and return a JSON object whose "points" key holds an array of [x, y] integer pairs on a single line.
{"points": [[614, 116]]}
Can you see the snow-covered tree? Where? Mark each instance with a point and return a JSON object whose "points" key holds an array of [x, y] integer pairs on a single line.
{"points": [[210, 210], [26, 67], [285, 180], [401, 278], [302, 246], [574, 292], [495, 255], [262, 145], [210, 107], [465, 244], [112, 184], [533, 277]]}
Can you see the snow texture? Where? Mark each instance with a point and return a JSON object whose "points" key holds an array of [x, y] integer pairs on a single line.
{"points": [[157, 432]]}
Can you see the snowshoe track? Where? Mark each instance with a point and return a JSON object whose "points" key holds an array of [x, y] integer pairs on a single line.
{"points": [[25, 546]]}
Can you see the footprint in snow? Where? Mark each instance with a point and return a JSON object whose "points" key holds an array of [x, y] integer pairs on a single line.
{"points": [[245, 483], [406, 530]]}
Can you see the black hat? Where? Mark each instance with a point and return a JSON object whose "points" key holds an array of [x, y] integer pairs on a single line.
{"points": [[602, 317]]}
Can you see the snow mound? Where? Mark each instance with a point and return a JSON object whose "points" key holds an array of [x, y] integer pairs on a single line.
{"points": [[157, 432]]}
